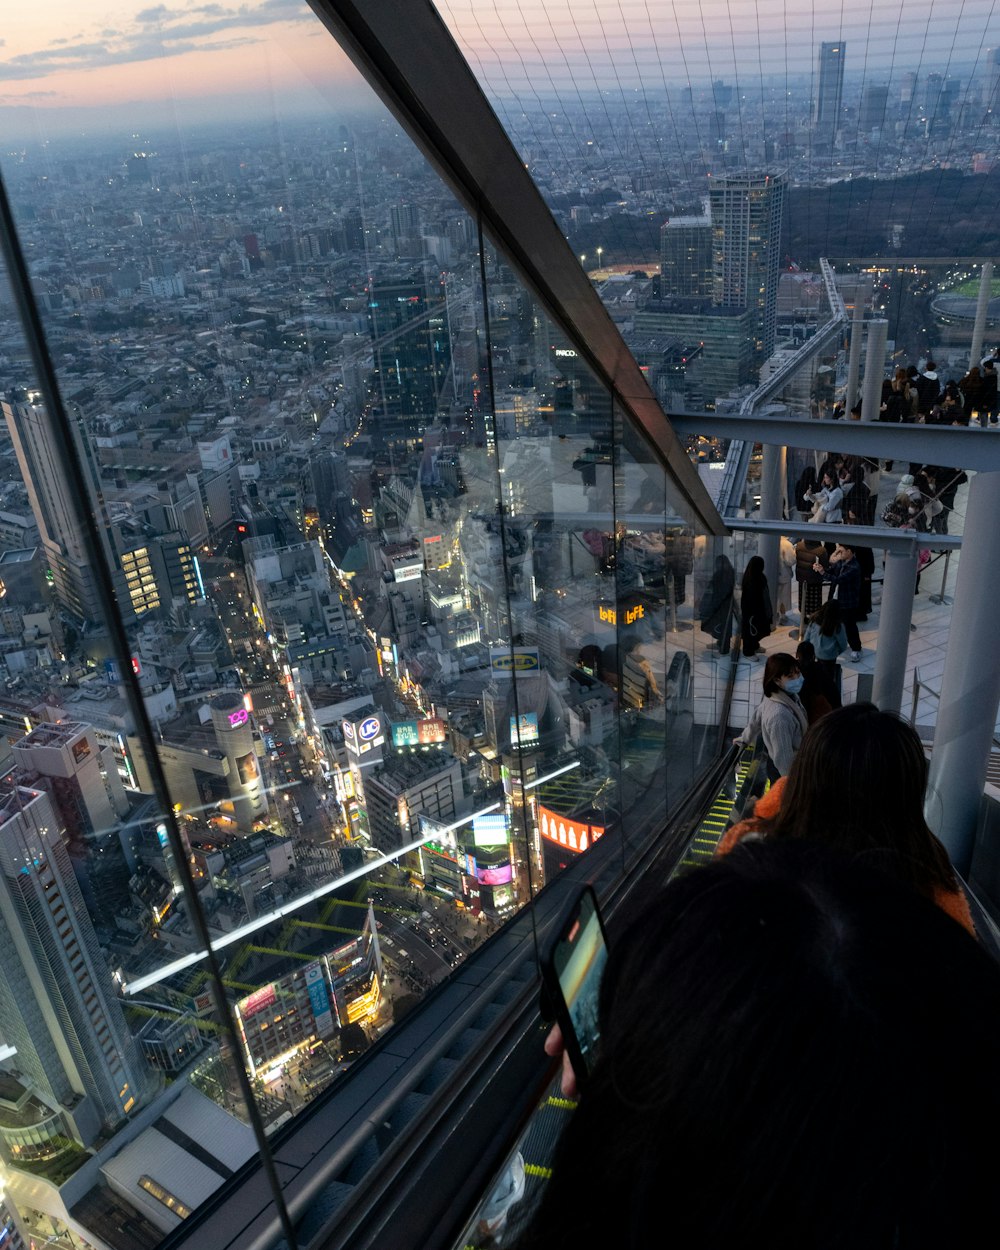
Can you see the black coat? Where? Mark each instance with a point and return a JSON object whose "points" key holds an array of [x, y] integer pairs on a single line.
{"points": [[755, 607], [717, 601]]}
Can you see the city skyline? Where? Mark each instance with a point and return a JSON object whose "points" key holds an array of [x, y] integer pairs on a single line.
{"points": [[412, 600], [275, 56]]}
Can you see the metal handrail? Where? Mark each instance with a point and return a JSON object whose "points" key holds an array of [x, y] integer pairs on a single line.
{"points": [[918, 685]]}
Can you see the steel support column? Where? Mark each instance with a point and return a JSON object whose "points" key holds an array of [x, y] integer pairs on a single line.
{"points": [[871, 400], [854, 358], [894, 629], [982, 307], [772, 505], [970, 686]]}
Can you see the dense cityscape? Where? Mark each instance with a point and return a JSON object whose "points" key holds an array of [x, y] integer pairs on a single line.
{"points": [[358, 501]]}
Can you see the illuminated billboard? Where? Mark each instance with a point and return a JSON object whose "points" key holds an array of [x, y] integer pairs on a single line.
{"points": [[363, 736], [407, 572], [572, 835], [431, 730], [246, 766], [504, 662], [503, 896], [238, 718], [523, 729], [411, 733], [258, 1001], [319, 998], [495, 874], [490, 830], [404, 734]]}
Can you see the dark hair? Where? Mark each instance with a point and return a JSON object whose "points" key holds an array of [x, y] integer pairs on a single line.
{"points": [[779, 665], [857, 782], [777, 1030], [753, 574], [805, 653], [827, 617]]}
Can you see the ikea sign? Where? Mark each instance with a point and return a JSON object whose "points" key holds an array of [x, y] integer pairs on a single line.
{"points": [[504, 662]]}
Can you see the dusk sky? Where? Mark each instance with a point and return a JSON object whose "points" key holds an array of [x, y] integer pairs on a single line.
{"points": [[74, 62]]}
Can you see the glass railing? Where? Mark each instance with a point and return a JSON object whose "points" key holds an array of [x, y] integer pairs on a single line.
{"points": [[358, 612], [344, 604]]}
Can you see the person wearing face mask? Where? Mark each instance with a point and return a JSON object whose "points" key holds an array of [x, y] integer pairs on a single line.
{"points": [[780, 718]]}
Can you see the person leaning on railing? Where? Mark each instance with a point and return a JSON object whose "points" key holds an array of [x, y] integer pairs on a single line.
{"points": [[796, 1051]]}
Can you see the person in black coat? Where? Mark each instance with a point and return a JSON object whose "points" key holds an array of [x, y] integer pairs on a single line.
{"points": [[716, 607], [807, 552], [755, 607]]}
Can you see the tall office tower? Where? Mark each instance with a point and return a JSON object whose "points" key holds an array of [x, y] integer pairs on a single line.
{"points": [[404, 222], [40, 457], [82, 783], [830, 91], [874, 102], [908, 91], [58, 1010], [933, 86], [746, 249], [686, 258], [409, 328], [993, 89]]}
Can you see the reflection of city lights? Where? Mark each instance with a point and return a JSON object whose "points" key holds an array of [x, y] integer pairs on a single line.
{"points": [[539, 781]]}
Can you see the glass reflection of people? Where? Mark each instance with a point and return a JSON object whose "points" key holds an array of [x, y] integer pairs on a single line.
{"points": [[716, 607]]}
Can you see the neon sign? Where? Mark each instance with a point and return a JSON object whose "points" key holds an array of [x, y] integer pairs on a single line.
{"points": [[631, 615]]}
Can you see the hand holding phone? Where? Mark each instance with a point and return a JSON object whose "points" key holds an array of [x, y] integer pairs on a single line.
{"points": [[572, 966]]}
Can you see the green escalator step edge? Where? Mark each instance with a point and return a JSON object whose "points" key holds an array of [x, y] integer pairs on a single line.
{"points": [[564, 1104], [534, 1169]]}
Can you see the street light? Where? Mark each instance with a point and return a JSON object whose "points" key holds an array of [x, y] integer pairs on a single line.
{"points": [[599, 251]]}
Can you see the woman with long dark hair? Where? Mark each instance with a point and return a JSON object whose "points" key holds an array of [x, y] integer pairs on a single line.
{"points": [[857, 783], [755, 607], [779, 1031]]}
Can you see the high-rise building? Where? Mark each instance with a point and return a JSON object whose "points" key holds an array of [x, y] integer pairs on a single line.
{"points": [[830, 90], [41, 459], [874, 102], [409, 327], [86, 793], [686, 258], [58, 1010], [746, 249], [993, 90]]}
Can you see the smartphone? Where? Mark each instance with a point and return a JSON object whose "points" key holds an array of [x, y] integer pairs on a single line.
{"points": [[572, 967]]}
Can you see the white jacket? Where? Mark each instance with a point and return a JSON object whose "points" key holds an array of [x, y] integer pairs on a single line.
{"points": [[826, 504], [781, 720]]}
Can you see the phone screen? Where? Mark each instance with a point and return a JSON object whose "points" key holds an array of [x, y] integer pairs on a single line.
{"points": [[578, 959]]}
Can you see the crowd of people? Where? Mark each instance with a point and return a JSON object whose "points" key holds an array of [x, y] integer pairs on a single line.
{"points": [[796, 1039], [843, 490]]}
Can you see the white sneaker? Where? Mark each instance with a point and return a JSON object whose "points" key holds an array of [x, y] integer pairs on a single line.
{"points": [[855, 656]]}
